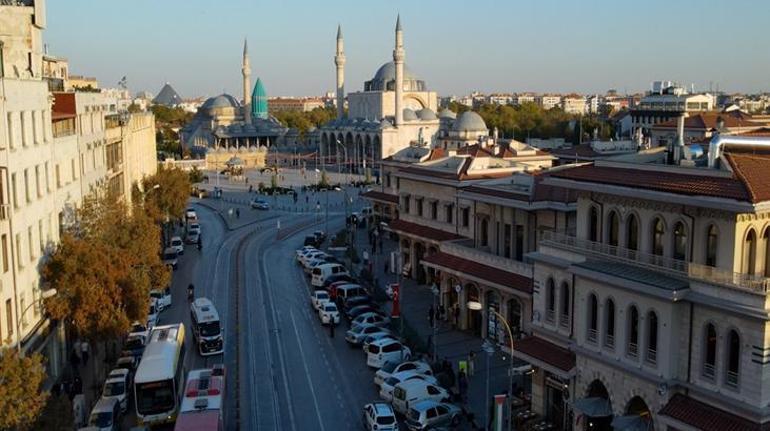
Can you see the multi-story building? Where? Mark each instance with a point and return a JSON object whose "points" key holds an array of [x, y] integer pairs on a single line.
{"points": [[500, 99], [652, 312], [522, 98], [574, 104], [548, 101], [53, 151], [666, 102]]}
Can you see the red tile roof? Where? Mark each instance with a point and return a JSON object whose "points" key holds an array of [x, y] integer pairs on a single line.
{"points": [[422, 231], [547, 352], [709, 120], [661, 181], [752, 170], [763, 132], [381, 196], [541, 193], [577, 151], [706, 417], [481, 271]]}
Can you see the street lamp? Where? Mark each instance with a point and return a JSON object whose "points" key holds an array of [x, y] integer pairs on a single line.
{"points": [[476, 306], [339, 165], [45, 294]]}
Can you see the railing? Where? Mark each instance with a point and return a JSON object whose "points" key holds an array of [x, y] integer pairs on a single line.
{"points": [[732, 379], [708, 371], [465, 248], [633, 350], [564, 320], [549, 316], [655, 262], [652, 356], [592, 335]]}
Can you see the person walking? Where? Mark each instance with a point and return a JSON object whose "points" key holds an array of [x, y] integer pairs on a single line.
{"points": [[331, 327], [471, 363], [462, 386], [85, 351], [431, 315]]}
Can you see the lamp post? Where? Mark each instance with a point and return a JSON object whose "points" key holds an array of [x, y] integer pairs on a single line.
{"points": [[45, 294], [489, 349], [476, 306], [339, 165]]}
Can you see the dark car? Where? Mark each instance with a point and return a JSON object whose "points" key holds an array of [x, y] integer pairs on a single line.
{"points": [[134, 346], [311, 240], [320, 236], [337, 277], [355, 301], [354, 312]]}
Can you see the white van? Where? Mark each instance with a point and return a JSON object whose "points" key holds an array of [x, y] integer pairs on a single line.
{"points": [[386, 350], [411, 392], [206, 329], [321, 272]]}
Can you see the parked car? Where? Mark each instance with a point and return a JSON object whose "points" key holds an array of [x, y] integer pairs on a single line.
{"points": [[379, 417], [361, 309], [105, 416], [138, 328], [321, 272], [118, 386], [194, 227], [319, 298], [408, 394], [259, 204], [320, 236], [382, 351], [162, 297], [371, 318], [313, 255], [356, 334], [396, 366], [353, 303], [337, 278], [430, 414], [305, 249], [134, 347], [329, 314], [386, 388], [192, 237], [128, 362], [170, 257], [311, 240], [152, 315], [177, 244], [308, 269], [190, 214], [377, 336], [347, 291]]}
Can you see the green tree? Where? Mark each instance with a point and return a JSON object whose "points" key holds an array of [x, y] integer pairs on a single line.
{"points": [[21, 395], [458, 108], [195, 175], [166, 193], [303, 121]]}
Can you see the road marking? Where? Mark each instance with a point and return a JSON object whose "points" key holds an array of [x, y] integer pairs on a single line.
{"points": [[307, 371]]}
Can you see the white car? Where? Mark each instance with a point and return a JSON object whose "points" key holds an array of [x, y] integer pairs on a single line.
{"points": [[329, 314], [139, 329], [152, 315], [393, 367], [371, 318], [117, 386], [304, 250], [407, 394], [431, 415], [377, 336], [386, 388], [190, 214], [319, 298], [194, 227], [356, 334], [162, 298], [314, 263], [379, 417], [308, 257], [177, 244]]}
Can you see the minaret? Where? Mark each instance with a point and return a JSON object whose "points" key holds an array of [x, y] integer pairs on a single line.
{"points": [[246, 71], [339, 60], [398, 61]]}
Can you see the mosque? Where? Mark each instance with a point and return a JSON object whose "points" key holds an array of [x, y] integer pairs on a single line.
{"points": [[394, 111], [223, 125]]}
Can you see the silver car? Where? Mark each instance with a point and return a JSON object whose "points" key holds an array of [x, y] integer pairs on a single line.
{"points": [[429, 414]]}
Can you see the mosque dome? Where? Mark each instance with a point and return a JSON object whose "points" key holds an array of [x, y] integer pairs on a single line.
{"points": [[409, 115], [426, 114], [446, 113], [221, 101], [469, 121], [385, 79]]}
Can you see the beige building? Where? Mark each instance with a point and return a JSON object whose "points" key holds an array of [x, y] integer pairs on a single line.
{"points": [[574, 104], [281, 104], [548, 101]]}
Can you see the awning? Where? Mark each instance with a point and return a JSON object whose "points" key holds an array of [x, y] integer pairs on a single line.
{"points": [[632, 423], [546, 355], [594, 407]]}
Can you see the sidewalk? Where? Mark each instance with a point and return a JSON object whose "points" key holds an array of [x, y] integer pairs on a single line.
{"points": [[451, 344]]}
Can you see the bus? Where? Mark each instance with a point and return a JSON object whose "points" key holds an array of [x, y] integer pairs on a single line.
{"points": [[206, 330], [202, 405], [160, 376]]}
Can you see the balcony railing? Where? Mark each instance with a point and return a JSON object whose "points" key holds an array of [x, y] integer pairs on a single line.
{"points": [[465, 248], [708, 371], [609, 341], [564, 320], [655, 262], [652, 356], [732, 379], [549, 316], [592, 335], [633, 350]]}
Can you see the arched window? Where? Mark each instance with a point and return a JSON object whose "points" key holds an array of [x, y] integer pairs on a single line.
{"points": [[565, 305], [710, 352], [652, 337], [680, 241], [632, 233], [733, 358], [750, 252], [483, 236], [658, 230], [711, 246], [593, 225], [593, 318], [612, 229], [633, 332], [609, 324], [550, 298]]}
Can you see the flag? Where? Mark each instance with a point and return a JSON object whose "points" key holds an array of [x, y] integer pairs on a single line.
{"points": [[396, 309]]}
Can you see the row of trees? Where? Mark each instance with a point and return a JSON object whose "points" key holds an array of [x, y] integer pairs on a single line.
{"points": [[531, 120], [303, 121], [103, 268], [167, 122]]}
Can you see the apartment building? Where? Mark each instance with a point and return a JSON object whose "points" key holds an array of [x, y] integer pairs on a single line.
{"points": [[548, 101], [652, 312], [574, 104], [666, 102]]}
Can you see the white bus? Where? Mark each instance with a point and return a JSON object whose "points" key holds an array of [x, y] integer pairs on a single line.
{"points": [[206, 330], [159, 381]]}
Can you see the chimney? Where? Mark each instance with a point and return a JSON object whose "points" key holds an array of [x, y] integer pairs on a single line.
{"points": [[679, 145]]}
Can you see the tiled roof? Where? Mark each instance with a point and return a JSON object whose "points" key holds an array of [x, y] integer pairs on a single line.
{"points": [[752, 170], [381, 196], [422, 231], [481, 271], [576, 151], [763, 132], [661, 181], [709, 120], [542, 192], [706, 417], [547, 352]]}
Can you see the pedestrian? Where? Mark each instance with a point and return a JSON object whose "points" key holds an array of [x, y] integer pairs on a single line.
{"points": [[85, 351], [237, 213], [457, 316], [386, 266], [331, 327], [307, 199], [75, 358], [251, 189], [462, 385], [431, 315], [77, 385], [471, 363]]}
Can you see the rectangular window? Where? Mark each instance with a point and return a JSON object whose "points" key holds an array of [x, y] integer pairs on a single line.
{"points": [[450, 213], [38, 183], [419, 206], [19, 260], [9, 318], [22, 304], [58, 176], [4, 241], [40, 236], [434, 210], [466, 217], [26, 185], [14, 191], [24, 129], [74, 172], [406, 200], [2, 74], [30, 244], [507, 240], [519, 241], [387, 180], [47, 177]]}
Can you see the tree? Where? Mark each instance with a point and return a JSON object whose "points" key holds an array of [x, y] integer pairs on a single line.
{"points": [[303, 121], [56, 416], [134, 108], [166, 193], [21, 397]]}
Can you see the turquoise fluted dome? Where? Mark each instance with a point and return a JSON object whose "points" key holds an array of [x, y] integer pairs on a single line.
{"points": [[259, 101]]}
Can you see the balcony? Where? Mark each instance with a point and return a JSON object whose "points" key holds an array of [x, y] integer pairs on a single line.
{"points": [[673, 267], [592, 336], [633, 350], [708, 371], [464, 248]]}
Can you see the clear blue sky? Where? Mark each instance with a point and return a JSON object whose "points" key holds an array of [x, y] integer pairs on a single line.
{"points": [[455, 46]]}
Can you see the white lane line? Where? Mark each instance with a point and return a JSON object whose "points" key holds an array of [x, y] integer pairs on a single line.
{"points": [[307, 371]]}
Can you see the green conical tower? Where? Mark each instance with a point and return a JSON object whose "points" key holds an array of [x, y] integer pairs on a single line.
{"points": [[259, 101]]}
